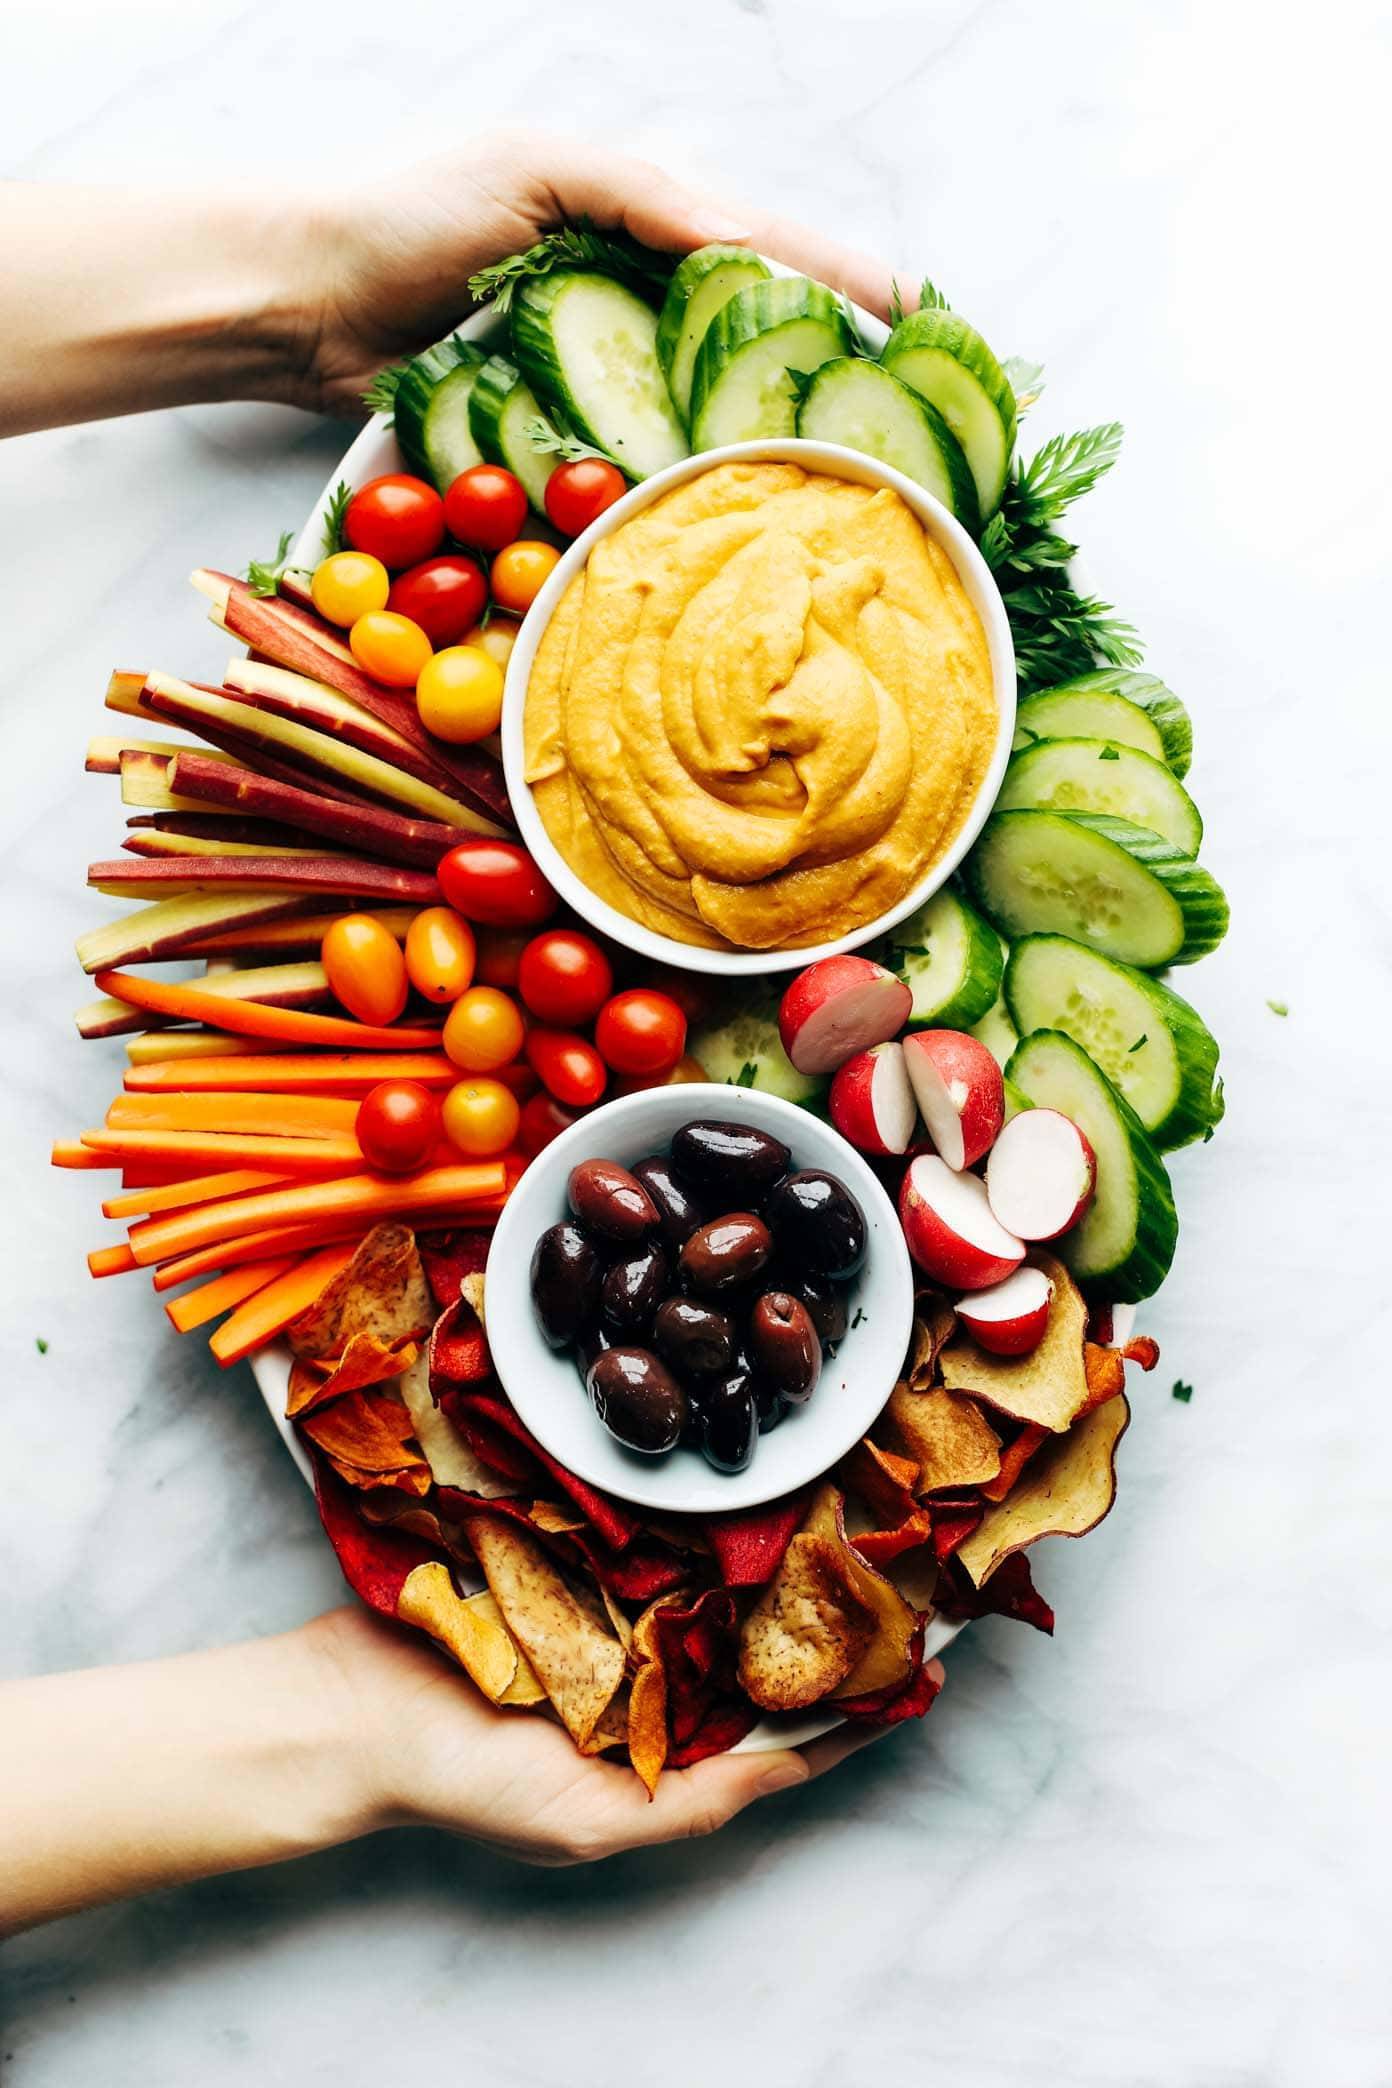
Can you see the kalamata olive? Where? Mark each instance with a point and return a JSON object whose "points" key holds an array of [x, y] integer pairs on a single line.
{"points": [[826, 1305], [768, 1404], [591, 1342], [784, 1346], [818, 1223], [726, 1252], [566, 1272], [694, 1339], [632, 1290], [677, 1213], [733, 1159], [607, 1199], [730, 1423], [637, 1398]]}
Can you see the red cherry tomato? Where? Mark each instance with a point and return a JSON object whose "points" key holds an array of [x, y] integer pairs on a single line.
{"points": [[569, 1066], [641, 1032], [500, 956], [445, 596], [485, 507], [496, 882], [577, 493], [398, 1123], [397, 518], [564, 977], [542, 1120]]}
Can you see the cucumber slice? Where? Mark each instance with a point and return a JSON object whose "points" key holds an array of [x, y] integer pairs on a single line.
{"points": [[997, 1032], [1153, 1047], [1124, 1244], [1077, 707], [1057, 714], [501, 406], [859, 404], [938, 355], [950, 960], [700, 285], [1116, 887], [588, 347], [746, 1051], [1097, 775], [431, 411], [741, 388]]}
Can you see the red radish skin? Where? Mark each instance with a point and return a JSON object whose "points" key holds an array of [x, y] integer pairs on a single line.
{"points": [[960, 1092], [1041, 1174], [1009, 1319], [872, 1103], [837, 1007], [951, 1230]]}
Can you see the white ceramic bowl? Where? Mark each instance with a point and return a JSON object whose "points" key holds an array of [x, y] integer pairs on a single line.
{"points": [[981, 591], [546, 1388]]}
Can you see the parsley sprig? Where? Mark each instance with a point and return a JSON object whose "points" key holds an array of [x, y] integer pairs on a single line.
{"points": [[333, 519], [263, 574], [572, 246], [558, 442]]}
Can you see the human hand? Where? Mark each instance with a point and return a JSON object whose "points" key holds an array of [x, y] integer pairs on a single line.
{"points": [[432, 1751], [383, 273]]}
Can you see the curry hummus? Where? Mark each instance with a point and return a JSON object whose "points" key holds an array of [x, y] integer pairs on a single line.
{"points": [[762, 712]]}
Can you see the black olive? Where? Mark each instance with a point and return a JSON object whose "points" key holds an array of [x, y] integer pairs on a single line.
{"points": [[638, 1400], [784, 1346], [632, 1290], [818, 1223], [694, 1339], [826, 1304], [768, 1404], [566, 1272], [609, 1201], [591, 1341], [733, 1159], [725, 1252], [678, 1214], [730, 1423]]}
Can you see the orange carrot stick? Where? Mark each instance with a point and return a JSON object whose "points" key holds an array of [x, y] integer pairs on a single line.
{"points": [[271, 1244], [177, 1196], [197, 1307], [265, 1115], [112, 1261], [347, 1197], [187, 1003], [264, 1316], [215, 1149], [71, 1152], [307, 1073]]}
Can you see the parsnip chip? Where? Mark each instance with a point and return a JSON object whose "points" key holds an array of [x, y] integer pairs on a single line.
{"points": [[471, 1290], [452, 1462], [1064, 1491], [1048, 1386], [472, 1629], [579, 1664], [948, 1438], [886, 1661], [807, 1630], [382, 1292], [934, 1325]]}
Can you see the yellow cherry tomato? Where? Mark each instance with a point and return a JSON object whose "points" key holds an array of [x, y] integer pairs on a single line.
{"points": [[483, 1030], [481, 1117], [497, 638], [389, 647], [520, 572], [460, 695], [348, 585], [365, 967], [440, 954]]}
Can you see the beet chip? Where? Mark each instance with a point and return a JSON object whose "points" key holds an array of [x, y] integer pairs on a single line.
{"points": [[376, 1560], [458, 1349], [909, 1699], [497, 1436], [451, 1256], [684, 1702], [723, 1727], [1010, 1592], [749, 1547]]}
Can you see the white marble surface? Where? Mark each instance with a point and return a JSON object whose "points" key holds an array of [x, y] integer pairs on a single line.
{"points": [[1154, 1851]]}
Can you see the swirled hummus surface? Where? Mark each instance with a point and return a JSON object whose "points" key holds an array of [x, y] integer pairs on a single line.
{"points": [[762, 712]]}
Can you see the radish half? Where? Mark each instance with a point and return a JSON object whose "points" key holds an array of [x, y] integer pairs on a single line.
{"points": [[960, 1091], [1009, 1319], [872, 1103], [1041, 1174], [951, 1229], [837, 1007]]}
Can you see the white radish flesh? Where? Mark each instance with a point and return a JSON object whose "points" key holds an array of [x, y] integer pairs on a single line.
{"points": [[951, 1230], [872, 1103], [1009, 1319], [1041, 1174], [960, 1092], [837, 1007]]}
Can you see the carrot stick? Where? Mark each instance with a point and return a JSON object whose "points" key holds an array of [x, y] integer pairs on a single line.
{"points": [[297, 1156], [348, 1197], [71, 1152], [269, 1115], [256, 1018], [178, 1196], [164, 1045], [111, 1261], [263, 1316], [197, 1307], [297, 1073], [271, 1244]]}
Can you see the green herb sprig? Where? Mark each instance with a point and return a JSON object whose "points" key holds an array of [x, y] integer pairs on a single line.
{"points": [[578, 245], [333, 520], [263, 574], [556, 442]]}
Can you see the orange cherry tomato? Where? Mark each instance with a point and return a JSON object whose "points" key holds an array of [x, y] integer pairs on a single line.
{"points": [[390, 648], [641, 1032], [500, 955], [520, 572], [497, 638], [497, 883], [543, 1119], [564, 977], [398, 1123], [460, 695], [485, 507], [483, 1030], [349, 584], [481, 1117], [569, 1066], [397, 518], [365, 967], [440, 954]]}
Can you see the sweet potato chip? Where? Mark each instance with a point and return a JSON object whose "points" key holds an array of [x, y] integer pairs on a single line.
{"points": [[1048, 1386], [449, 1257], [1065, 1490], [472, 1629], [934, 1325], [369, 1438], [884, 1484], [365, 1361], [579, 1665], [808, 1629], [953, 1523], [382, 1292], [947, 1437], [1014, 1457]]}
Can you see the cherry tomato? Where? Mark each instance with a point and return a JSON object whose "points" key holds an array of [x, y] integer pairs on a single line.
{"points": [[576, 494], [497, 638], [365, 967], [348, 585], [568, 1065], [520, 572], [700, 997], [481, 1117], [564, 977], [543, 1119], [500, 956], [686, 1070], [497, 883], [390, 648], [485, 507], [439, 954], [445, 596], [398, 1123], [460, 695], [641, 1032], [483, 1030], [397, 518]]}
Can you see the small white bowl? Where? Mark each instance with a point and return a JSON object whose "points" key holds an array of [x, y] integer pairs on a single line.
{"points": [[546, 1388], [981, 591]]}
